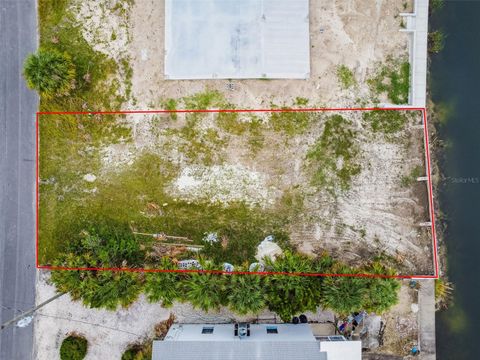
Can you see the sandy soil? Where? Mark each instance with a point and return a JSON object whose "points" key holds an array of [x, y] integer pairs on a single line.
{"points": [[401, 324], [358, 34], [377, 215]]}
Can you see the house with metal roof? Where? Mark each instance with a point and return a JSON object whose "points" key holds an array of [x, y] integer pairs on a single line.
{"points": [[252, 341]]}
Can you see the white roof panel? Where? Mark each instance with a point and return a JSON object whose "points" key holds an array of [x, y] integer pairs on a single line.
{"points": [[233, 39]]}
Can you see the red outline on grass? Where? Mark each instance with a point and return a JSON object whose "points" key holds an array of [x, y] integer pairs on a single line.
{"points": [[363, 275]]}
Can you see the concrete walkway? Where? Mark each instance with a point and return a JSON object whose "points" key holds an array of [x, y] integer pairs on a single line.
{"points": [[426, 319], [417, 27]]}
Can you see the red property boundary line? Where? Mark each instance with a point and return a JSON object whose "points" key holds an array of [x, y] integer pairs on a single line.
{"points": [[363, 275]]}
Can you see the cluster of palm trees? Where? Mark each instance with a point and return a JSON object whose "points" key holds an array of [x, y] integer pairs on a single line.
{"points": [[286, 295]]}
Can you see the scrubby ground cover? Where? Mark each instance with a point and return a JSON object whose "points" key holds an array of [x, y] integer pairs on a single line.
{"points": [[153, 176], [104, 179]]}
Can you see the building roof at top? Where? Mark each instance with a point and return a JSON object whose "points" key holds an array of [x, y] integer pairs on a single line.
{"points": [[238, 350], [231, 39]]}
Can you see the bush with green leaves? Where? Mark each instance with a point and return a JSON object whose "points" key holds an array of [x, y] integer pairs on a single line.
{"points": [[163, 287], [346, 294], [288, 295], [381, 292], [98, 248], [345, 77], [50, 72], [343, 294], [436, 41], [205, 291], [138, 352], [246, 294], [97, 289], [73, 347]]}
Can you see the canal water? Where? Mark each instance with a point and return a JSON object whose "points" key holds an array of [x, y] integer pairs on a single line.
{"points": [[455, 86]]}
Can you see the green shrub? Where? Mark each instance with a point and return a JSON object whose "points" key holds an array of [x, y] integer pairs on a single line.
{"points": [[100, 248], [138, 352], [50, 72], [333, 155], [163, 286], [246, 294], [343, 294], [347, 294], [96, 289], [410, 179], [73, 347], [345, 77], [393, 78], [289, 295], [436, 42], [205, 291], [387, 122], [381, 293]]}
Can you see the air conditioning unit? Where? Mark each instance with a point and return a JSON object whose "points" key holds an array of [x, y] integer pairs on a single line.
{"points": [[242, 330]]}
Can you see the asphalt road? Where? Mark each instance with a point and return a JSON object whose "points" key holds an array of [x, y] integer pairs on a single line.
{"points": [[18, 37]]}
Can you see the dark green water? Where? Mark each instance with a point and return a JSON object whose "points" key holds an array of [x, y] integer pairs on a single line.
{"points": [[455, 84]]}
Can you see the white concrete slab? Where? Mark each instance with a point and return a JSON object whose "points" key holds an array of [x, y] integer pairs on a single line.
{"points": [[233, 39]]}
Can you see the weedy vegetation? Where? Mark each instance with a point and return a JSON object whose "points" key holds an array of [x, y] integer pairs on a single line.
{"points": [[345, 77], [392, 79]]}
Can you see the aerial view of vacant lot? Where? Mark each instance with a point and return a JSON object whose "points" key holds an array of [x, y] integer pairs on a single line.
{"points": [[213, 185], [217, 184]]}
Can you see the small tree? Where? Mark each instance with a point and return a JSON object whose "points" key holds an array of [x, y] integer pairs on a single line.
{"points": [[73, 347], [382, 293], [163, 287], [205, 291], [49, 72], [100, 247], [246, 294], [288, 295], [343, 294]]}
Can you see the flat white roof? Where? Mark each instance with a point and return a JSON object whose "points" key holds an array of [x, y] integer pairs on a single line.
{"points": [[225, 332], [237, 39], [341, 350]]}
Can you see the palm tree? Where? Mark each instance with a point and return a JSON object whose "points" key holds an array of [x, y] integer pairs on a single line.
{"points": [[288, 295], [382, 293], [205, 291], [343, 294], [97, 289], [163, 287], [49, 72], [246, 294]]}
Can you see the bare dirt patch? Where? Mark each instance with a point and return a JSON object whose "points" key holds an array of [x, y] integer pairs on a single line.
{"points": [[356, 34]]}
